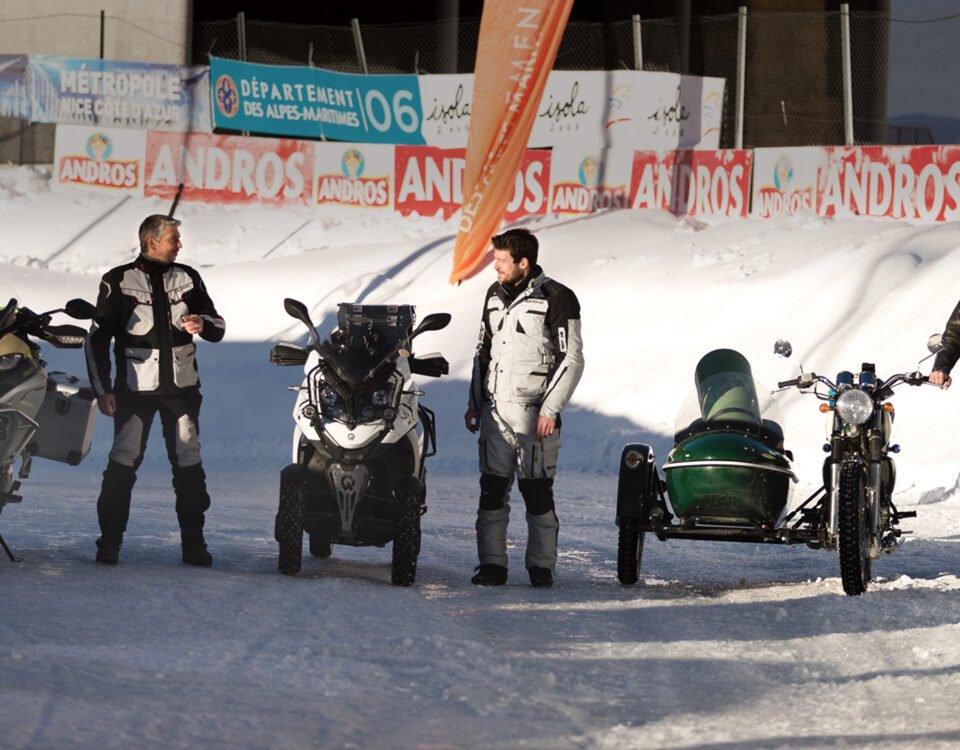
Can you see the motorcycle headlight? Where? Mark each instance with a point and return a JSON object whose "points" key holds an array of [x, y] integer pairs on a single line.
{"points": [[380, 397], [854, 406], [9, 361]]}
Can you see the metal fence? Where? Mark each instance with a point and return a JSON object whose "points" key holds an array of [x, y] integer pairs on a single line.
{"points": [[793, 71]]}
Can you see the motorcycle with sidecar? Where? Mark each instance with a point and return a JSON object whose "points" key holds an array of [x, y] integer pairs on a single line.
{"points": [[728, 476]]}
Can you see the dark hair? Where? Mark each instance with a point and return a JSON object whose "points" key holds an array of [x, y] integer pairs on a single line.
{"points": [[154, 226], [520, 242]]}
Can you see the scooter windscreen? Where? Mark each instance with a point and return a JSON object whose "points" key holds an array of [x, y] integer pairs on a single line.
{"points": [[367, 338]]}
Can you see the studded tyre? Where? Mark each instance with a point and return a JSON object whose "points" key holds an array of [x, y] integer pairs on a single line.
{"points": [[854, 529], [288, 529], [406, 542]]}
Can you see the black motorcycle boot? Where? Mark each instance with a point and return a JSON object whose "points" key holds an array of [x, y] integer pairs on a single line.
{"points": [[113, 509], [541, 578], [190, 488], [194, 548], [108, 548], [489, 574]]}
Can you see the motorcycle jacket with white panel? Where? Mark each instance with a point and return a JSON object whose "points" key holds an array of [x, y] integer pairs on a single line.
{"points": [[140, 307], [530, 349]]}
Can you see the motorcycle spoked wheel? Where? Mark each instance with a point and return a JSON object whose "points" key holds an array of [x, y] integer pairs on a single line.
{"points": [[406, 542], [289, 528], [854, 522], [629, 551]]}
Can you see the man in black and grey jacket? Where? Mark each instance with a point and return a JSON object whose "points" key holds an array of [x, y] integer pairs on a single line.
{"points": [[528, 363], [151, 309]]}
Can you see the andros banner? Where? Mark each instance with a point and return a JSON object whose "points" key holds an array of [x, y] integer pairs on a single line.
{"points": [[315, 103]]}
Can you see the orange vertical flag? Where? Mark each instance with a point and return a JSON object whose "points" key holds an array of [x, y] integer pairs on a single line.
{"points": [[515, 53]]}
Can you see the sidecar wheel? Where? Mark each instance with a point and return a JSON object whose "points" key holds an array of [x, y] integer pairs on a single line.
{"points": [[320, 547], [406, 542], [288, 529], [854, 518], [629, 551]]}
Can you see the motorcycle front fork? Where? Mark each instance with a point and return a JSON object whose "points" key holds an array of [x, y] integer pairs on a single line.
{"points": [[872, 496]]}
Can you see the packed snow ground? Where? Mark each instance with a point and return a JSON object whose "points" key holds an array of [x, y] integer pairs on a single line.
{"points": [[720, 646]]}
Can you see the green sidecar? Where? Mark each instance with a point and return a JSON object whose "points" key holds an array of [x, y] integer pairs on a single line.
{"points": [[728, 476]]}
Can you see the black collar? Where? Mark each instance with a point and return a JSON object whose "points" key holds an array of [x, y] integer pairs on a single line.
{"points": [[512, 291], [151, 265]]}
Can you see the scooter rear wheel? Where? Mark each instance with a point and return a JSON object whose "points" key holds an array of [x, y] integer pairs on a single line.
{"points": [[320, 546]]}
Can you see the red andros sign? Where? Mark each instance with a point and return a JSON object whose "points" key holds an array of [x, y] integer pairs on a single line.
{"points": [[430, 181], [229, 169], [692, 182], [898, 182]]}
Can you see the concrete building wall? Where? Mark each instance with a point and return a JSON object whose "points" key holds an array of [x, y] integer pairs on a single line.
{"points": [[156, 31]]}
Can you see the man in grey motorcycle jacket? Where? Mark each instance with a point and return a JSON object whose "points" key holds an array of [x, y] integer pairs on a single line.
{"points": [[151, 309], [529, 360]]}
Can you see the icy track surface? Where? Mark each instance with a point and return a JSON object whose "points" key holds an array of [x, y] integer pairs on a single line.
{"points": [[720, 645]]}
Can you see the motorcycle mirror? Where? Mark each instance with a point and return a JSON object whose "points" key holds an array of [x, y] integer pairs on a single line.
{"points": [[79, 309], [296, 309], [433, 322], [782, 348], [935, 343]]}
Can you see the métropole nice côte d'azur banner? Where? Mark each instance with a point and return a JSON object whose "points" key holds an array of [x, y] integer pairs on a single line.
{"points": [[515, 52]]}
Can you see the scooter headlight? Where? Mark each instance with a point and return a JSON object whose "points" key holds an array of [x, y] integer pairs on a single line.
{"points": [[332, 404], [373, 405], [328, 396], [9, 361], [854, 406]]}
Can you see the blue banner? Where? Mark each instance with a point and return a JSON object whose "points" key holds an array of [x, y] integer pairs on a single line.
{"points": [[14, 98], [315, 103], [119, 94]]}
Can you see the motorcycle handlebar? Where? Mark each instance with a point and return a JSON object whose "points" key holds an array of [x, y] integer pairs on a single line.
{"points": [[788, 383]]}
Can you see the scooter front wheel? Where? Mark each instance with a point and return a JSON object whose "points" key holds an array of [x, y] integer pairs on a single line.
{"points": [[406, 542], [288, 529]]}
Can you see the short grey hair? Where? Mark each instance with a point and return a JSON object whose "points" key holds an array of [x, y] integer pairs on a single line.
{"points": [[154, 226]]}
